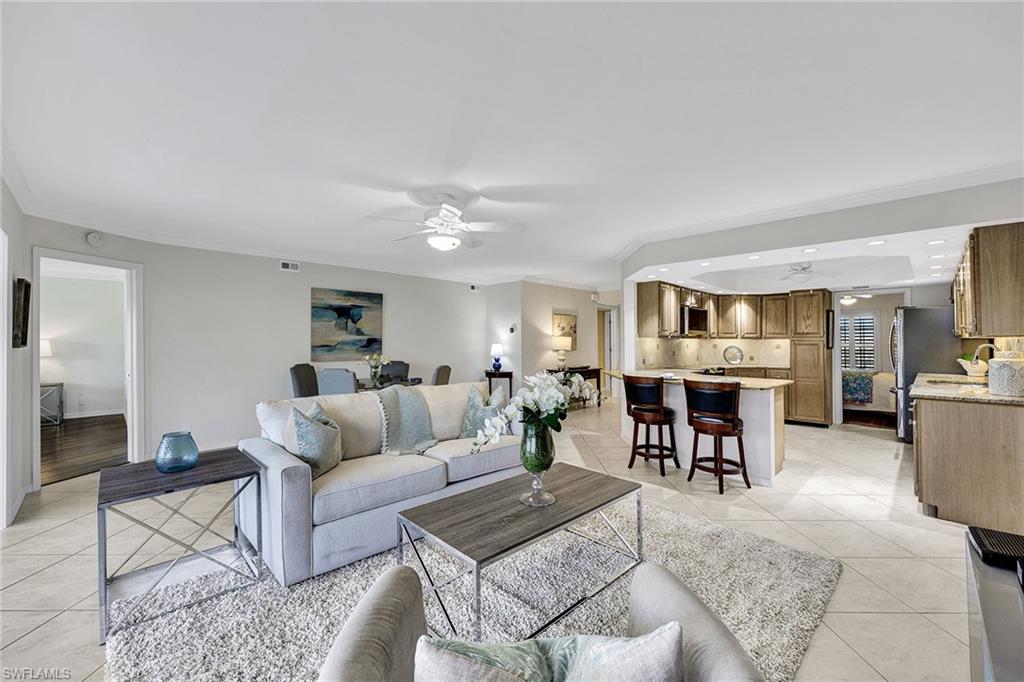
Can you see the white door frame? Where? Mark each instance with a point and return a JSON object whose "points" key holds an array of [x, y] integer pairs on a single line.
{"points": [[613, 339], [5, 350], [135, 415]]}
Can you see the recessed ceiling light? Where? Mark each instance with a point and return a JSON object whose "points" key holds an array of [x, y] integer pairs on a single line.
{"points": [[908, 281], [650, 276], [847, 300], [746, 293], [705, 264], [662, 269], [702, 286], [719, 292], [933, 242], [876, 242], [863, 295], [936, 274], [934, 267], [938, 255], [753, 257], [811, 250]]}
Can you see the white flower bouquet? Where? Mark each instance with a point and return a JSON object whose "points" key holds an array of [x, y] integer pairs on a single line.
{"points": [[542, 401]]}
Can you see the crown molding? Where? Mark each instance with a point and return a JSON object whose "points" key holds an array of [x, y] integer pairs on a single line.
{"points": [[10, 170]]}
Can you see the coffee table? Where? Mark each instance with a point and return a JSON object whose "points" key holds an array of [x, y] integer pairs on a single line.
{"points": [[488, 524]]}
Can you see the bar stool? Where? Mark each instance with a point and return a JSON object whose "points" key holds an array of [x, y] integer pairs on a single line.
{"points": [[645, 404], [712, 409]]}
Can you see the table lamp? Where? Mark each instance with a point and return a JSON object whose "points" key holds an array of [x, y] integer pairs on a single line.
{"points": [[561, 344], [496, 351]]}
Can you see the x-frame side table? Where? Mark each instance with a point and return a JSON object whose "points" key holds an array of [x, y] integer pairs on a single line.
{"points": [[142, 481]]}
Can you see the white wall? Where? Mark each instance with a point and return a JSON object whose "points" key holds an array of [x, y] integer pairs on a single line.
{"points": [[18, 470], [505, 312], [930, 296], [540, 301], [84, 321], [221, 330]]}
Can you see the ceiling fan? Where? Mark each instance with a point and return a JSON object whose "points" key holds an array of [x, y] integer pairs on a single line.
{"points": [[799, 272], [446, 229]]}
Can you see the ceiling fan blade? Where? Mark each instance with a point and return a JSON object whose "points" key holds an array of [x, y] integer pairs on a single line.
{"points": [[496, 227], [396, 220], [542, 194], [469, 241], [377, 183], [414, 234]]}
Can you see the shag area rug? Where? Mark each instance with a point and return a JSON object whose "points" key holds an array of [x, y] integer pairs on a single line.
{"points": [[772, 597]]}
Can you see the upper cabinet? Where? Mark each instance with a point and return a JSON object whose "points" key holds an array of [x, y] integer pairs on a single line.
{"points": [[728, 323], [988, 290], [711, 302], [807, 313], [748, 313], [657, 310], [775, 316]]}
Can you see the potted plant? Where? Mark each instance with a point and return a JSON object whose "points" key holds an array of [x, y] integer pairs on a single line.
{"points": [[540, 406]]}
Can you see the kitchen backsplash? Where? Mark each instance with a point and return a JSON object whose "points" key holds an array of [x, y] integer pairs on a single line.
{"points": [[677, 353], [1010, 343]]}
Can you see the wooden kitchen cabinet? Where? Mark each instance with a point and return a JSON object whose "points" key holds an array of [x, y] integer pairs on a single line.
{"points": [[711, 304], [807, 310], [657, 310], [988, 289], [748, 314], [728, 320], [782, 374], [750, 372], [775, 316], [811, 372]]}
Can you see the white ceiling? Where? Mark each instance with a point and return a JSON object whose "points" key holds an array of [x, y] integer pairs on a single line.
{"points": [[908, 258], [271, 128]]}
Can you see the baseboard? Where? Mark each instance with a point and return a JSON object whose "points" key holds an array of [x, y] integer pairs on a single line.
{"points": [[93, 413]]}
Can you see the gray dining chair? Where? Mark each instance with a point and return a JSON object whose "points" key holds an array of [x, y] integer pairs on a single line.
{"points": [[304, 383], [337, 380], [396, 371], [441, 375]]}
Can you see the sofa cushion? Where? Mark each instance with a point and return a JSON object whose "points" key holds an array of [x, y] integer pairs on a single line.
{"points": [[447, 407], [358, 416], [462, 463], [369, 482]]}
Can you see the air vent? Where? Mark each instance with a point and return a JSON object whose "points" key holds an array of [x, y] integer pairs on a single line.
{"points": [[861, 286], [289, 266]]}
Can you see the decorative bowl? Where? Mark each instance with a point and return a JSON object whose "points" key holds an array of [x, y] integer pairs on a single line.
{"points": [[978, 370]]}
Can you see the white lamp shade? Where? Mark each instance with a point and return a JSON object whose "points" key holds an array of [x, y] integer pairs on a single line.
{"points": [[496, 350], [561, 343], [45, 349]]}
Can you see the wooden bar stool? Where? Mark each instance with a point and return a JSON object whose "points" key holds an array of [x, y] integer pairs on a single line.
{"points": [[645, 404], [713, 409]]}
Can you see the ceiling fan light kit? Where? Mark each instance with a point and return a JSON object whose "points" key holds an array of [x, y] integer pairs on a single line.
{"points": [[445, 229], [444, 242]]}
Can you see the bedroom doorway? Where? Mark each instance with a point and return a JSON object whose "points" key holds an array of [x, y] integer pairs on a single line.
{"points": [[86, 366]]}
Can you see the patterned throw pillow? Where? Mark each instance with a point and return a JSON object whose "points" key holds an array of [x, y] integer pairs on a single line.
{"points": [[477, 412], [318, 440], [654, 657]]}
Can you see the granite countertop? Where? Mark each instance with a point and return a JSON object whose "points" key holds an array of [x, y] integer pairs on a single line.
{"points": [[958, 388], [747, 365], [752, 383]]}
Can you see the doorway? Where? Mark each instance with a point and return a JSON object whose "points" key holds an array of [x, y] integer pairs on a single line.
{"points": [[608, 341], [87, 332]]}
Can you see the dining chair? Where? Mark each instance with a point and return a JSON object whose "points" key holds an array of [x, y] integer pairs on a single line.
{"points": [[442, 375], [304, 383], [337, 380]]}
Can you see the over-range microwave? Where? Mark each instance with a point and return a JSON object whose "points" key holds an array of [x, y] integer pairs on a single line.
{"points": [[692, 320]]}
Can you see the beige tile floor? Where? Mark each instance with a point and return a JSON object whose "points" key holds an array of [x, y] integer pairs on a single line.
{"points": [[846, 492]]}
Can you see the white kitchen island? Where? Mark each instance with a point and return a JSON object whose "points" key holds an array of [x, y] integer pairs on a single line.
{"points": [[762, 409]]}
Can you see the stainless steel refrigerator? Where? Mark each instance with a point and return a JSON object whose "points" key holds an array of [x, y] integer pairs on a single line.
{"points": [[921, 340]]}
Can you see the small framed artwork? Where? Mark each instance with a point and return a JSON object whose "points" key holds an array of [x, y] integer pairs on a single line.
{"points": [[564, 324], [22, 304]]}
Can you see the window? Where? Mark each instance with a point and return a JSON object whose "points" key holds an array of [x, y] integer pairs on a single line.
{"points": [[858, 341]]}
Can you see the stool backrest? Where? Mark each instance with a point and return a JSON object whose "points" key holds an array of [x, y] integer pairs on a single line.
{"points": [[644, 393], [714, 399]]}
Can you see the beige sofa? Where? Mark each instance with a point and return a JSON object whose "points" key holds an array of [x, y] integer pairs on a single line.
{"points": [[349, 513]]}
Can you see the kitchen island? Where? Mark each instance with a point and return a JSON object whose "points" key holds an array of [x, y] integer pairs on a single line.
{"points": [[762, 409]]}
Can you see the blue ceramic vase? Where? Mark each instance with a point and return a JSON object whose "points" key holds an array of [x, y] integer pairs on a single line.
{"points": [[177, 452]]}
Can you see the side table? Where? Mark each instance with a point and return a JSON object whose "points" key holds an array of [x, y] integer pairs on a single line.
{"points": [[500, 375], [51, 416], [143, 481]]}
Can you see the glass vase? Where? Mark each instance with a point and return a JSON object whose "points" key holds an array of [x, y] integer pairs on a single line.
{"points": [[537, 453], [375, 376], [177, 452]]}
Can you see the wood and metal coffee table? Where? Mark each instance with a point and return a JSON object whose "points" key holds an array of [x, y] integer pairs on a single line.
{"points": [[488, 524]]}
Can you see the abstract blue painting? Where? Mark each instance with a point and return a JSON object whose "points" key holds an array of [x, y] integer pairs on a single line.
{"points": [[345, 325]]}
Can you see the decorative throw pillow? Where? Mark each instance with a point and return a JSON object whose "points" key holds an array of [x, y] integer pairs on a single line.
{"points": [[654, 657], [317, 438], [477, 411]]}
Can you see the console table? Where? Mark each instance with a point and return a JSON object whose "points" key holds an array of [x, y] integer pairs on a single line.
{"points": [[588, 373], [143, 481], [502, 375]]}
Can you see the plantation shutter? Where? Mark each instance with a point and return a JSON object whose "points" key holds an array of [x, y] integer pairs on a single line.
{"points": [[858, 341]]}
